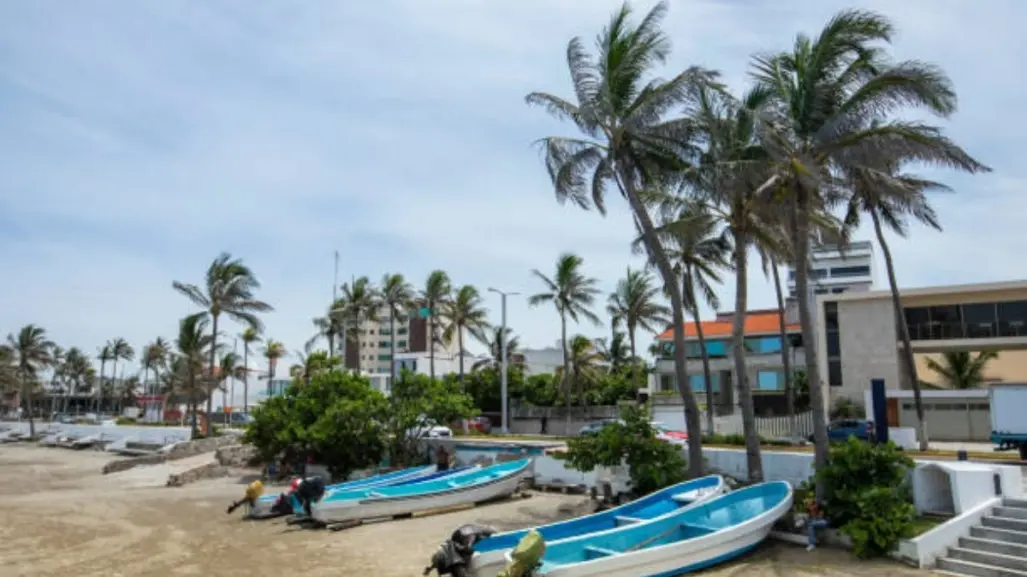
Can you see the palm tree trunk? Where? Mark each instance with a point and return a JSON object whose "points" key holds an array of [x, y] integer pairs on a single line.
{"points": [[213, 364], [27, 401], [566, 372], [711, 398], [655, 251], [460, 346], [356, 335], [800, 224], [754, 460], [786, 360], [331, 341], [903, 329], [392, 348], [99, 390], [431, 340], [192, 403], [246, 378]]}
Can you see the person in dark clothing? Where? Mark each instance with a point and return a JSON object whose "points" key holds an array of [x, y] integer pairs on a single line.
{"points": [[441, 458], [309, 491], [545, 423]]}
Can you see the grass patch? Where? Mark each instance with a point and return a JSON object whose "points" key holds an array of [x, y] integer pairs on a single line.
{"points": [[925, 523]]}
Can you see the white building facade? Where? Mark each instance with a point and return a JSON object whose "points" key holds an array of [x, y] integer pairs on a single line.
{"points": [[836, 271]]}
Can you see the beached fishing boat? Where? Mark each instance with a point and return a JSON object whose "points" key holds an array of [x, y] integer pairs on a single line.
{"points": [[263, 505], [692, 539], [472, 486], [490, 554]]}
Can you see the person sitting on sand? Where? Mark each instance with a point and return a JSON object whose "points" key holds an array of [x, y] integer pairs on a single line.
{"points": [[309, 491], [253, 492], [814, 521]]}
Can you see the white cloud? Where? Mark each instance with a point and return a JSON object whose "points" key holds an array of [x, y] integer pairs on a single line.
{"points": [[138, 140]]}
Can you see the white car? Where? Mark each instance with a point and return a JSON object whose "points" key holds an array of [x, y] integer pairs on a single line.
{"points": [[430, 430]]}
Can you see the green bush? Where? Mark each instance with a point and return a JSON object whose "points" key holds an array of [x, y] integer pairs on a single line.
{"points": [[125, 421], [738, 440], [867, 495], [653, 464]]}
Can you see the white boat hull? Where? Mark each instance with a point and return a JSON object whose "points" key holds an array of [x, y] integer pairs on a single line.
{"points": [[264, 504], [374, 508], [683, 556], [490, 563]]}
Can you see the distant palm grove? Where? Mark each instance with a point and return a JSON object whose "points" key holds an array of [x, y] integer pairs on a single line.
{"points": [[821, 139]]}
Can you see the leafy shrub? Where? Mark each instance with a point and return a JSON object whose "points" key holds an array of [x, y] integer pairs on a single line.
{"points": [[867, 495], [125, 421], [738, 440], [847, 409], [652, 463]]}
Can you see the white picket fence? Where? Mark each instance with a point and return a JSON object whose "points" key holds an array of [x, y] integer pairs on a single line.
{"points": [[770, 427]]}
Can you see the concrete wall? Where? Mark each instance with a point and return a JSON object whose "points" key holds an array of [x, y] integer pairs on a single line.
{"points": [[156, 435], [868, 348]]}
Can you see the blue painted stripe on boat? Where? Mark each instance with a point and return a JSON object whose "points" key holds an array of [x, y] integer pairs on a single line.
{"points": [[704, 564]]}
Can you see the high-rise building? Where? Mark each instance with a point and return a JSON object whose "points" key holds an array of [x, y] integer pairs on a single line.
{"points": [[835, 270], [374, 354]]}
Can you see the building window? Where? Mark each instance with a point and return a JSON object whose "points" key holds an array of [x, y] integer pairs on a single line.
{"points": [[838, 290], [834, 344], [384, 344], [979, 321], [763, 345], [770, 381], [831, 316], [698, 382], [714, 348], [850, 271], [385, 332], [834, 372], [1012, 318], [401, 344], [384, 357], [667, 383], [401, 331]]}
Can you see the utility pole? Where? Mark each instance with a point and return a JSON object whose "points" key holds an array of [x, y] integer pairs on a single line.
{"points": [[503, 377]]}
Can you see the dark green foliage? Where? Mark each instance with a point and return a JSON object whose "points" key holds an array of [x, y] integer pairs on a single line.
{"points": [[867, 494], [417, 402], [738, 440], [653, 463]]}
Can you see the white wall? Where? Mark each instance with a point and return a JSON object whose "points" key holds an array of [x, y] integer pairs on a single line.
{"points": [[156, 435]]}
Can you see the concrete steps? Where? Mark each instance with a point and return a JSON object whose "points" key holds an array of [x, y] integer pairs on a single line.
{"points": [[995, 548]]}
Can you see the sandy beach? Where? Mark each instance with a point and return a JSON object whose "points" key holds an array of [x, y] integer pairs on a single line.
{"points": [[60, 516]]}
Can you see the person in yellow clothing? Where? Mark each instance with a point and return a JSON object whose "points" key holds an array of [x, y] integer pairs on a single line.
{"points": [[253, 492]]}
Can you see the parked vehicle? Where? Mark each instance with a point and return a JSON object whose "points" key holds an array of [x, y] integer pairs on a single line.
{"points": [[593, 428], [665, 433], [1008, 427], [480, 424], [842, 429]]}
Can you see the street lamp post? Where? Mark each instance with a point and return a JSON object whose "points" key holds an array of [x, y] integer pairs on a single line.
{"points": [[502, 357]]}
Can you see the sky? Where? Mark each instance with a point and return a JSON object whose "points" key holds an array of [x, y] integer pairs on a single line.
{"points": [[140, 139]]}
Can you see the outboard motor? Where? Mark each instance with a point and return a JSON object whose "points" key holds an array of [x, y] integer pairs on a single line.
{"points": [[309, 491], [526, 558], [453, 556]]}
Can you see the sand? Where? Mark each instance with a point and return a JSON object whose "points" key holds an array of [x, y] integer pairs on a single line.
{"points": [[60, 516]]}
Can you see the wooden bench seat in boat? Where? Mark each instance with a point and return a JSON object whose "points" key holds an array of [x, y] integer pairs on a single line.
{"points": [[592, 552]]}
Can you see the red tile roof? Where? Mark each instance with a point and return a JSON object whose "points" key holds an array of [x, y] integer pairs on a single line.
{"points": [[762, 322]]}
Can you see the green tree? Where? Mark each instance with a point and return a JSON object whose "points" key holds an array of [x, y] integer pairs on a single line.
{"points": [[120, 351], [615, 352], [155, 356], [494, 342], [636, 303], [464, 313], [437, 291], [398, 295], [835, 98], [249, 337], [229, 288], [415, 402], [573, 295], [273, 351], [105, 354], [359, 302], [32, 352], [192, 344], [627, 142], [961, 369]]}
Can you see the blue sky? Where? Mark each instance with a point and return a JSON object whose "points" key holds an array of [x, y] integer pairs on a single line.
{"points": [[140, 139]]}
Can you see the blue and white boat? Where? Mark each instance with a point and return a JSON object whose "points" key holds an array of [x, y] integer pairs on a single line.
{"points": [[490, 554], [692, 539], [472, 486], [264, 504]]}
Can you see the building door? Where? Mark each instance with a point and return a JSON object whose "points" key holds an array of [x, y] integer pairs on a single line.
{"points": [[893, 412]]}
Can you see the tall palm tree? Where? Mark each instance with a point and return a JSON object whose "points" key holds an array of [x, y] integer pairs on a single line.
{"points": [[56, 376], [961, 369], [249, 337], [585, 362], [835, 98], [636, 303], [106, 355], [437, 290], [627, 142], [494, 343], [229, 288], [120, 351], [359, 302], [464, 313], [76, 368], [32, 352], [573, 295], [8, 370], [615, 351], [699, 250], [312, 363], [229, 368], [192, 345], [273, 351], [155, 356], [398, 295]]}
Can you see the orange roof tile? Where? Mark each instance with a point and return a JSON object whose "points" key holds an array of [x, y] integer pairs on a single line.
{"points": [[756, 323]]}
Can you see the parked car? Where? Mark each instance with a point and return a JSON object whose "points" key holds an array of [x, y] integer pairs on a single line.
{"points": [[665, 433], [842, 429], [430, 429], [593, 428], [480, 424]]}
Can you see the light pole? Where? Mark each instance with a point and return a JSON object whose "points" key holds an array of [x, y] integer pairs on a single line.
{"points": [[502, 356]]}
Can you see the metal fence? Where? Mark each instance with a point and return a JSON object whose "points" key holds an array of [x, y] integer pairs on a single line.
{"points": [[782, 426]]}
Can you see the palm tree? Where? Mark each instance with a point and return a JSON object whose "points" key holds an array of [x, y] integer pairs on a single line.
{"points": [[465, 312], [75, 369], [32, 352], [312, 363], [628, 142], [155, 356], [494, 343], [56, 377], [120, 351], [8, 370], [127, 392], [329, 327], [699, 250], [960, 369], [398, 295], [359, 302], [105, 354], [636, 303], [572, 294], [192, 344], [249, 337], [228, 289], [229, 367], [585, 359], [437, 290], [835, 97], [273, 351], [616, 352]]}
